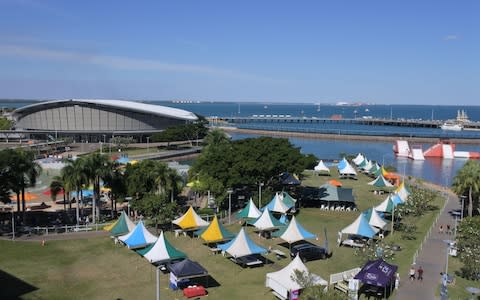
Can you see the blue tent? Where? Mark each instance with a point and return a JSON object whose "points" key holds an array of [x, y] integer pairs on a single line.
{"points": [[396, 199], [85, 193], [360, 227], [342, 164], [139, 237], [288, 179], [241, 245]]}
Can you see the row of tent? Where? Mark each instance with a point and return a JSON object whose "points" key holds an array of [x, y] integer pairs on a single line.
{"points": [[371, 221]]}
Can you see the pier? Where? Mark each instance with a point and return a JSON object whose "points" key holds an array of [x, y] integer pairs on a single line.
{"points": [[286, 119]]}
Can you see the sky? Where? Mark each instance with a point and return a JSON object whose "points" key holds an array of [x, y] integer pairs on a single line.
{"points": [[385, 52]]}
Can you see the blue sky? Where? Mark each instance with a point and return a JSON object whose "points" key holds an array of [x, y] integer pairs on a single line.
{"points": [[419, 52]]}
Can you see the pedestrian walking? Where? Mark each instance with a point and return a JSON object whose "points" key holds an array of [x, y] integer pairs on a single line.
{"points": [[448, 229], [397, 280], [412, 273], [420, 273], [440, 230]]}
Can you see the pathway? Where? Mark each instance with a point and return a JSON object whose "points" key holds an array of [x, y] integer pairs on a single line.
{"points": [[431, 258]]}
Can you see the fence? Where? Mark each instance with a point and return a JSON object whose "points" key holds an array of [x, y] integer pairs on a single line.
{"points": [[434, 224], [39, 230]]}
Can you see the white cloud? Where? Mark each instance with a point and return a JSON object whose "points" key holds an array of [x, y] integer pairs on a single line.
{"points": [[120, 62], [451, 37]]}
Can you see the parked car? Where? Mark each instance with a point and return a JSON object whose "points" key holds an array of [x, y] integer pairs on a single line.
{"points": [[308, 252]]}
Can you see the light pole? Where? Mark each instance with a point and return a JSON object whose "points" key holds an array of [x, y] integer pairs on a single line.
{"points": [[229, 191], [148, 145], [158, 283], [260, 184]]}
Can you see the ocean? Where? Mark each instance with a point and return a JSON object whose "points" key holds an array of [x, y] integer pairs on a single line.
{"points": [[439, 171]]}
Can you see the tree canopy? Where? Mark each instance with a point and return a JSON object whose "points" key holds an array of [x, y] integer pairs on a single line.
{"points": [[184, 132], [244, 163], [467, 183], [468, 237]]}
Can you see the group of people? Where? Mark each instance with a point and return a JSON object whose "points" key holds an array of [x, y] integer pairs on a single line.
{"points": [[418, 272], [447, 228]]}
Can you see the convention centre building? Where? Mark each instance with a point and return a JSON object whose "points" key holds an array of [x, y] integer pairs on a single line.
{"points": [[94, 120]]}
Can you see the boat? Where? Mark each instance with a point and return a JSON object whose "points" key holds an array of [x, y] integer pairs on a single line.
{"points": [[451, 126]]}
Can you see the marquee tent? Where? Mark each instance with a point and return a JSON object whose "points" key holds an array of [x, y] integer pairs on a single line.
{"points": [[396, 199], [138, 237], [161, 251], [358, 159], [380, 181], [267, 221], [378, 273], [282, 282], [363, 164], [249, 212], [360, 227], [386, 206], [122, 226], [289, 179], [374, 169], [123, 160], [288, 200], [331, 193], [402, 191], [241, 246], [368, 166], [342, 164], [295, 232], [347, 170], [190, 220], [215, 232], [374, 218], [186, 269], [321, 167], [277, 205], [335, 182]]}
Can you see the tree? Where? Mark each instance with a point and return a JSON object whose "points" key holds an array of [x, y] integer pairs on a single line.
{"points": [[118, 185], [56, 186], [312, 291], [468, 237], [97, 167], [156, 207], [7, 177], [5, 124], [467, 182], [183, 132], [122, 142], [244, 163], [75, 176], [26, 172]]}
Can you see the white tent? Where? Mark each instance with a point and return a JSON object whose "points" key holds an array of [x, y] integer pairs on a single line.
{"points": [[380, 181], [266, 221], [358, 160], [387, 205], [368, 166], [321, 167], [162, 250], [241, 245], [295, 232], [360, 227], [281, 282], [139, 237], [376, 220], [277, 205], [250, 211], [347, 170]]}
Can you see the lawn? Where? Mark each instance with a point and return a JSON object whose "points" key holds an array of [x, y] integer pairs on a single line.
{"points": [[458, 289], [98, 269]]}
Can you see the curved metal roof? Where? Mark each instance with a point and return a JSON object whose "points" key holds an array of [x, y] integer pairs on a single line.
{"points": [[119, 104]]}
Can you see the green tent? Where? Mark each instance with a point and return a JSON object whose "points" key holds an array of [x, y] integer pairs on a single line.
{"points": [[288, 200], [123, 226], [380, 182], [162, 250]]}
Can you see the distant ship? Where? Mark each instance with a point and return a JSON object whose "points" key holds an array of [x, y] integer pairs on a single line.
{"points": [[451, 126]]}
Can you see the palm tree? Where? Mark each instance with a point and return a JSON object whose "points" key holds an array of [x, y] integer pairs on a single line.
{"points": [[117, 184], [26, 171], [467, 181], [98, 167], [56, 186], [174, 183], [74, 176], [215, 137]]}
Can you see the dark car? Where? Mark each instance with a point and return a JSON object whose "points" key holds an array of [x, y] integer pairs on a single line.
{"points": [[308, 252]]}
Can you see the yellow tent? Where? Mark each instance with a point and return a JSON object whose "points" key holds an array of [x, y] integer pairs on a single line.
{"points": [[215, 232], [400, 187], [190, 220], [110, 226], [384, 172]]}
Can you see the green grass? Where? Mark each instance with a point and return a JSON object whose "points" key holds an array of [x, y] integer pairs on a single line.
{"points": [[97, 269], [458, 289]]}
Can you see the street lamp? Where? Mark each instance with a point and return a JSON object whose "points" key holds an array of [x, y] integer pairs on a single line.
{"points": [[444, 292], [229, 191], [158, 283], [260, 184], [148, 145], [13, 223]]}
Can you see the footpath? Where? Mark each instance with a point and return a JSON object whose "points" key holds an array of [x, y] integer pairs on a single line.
{"points": [[432, 258]]}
